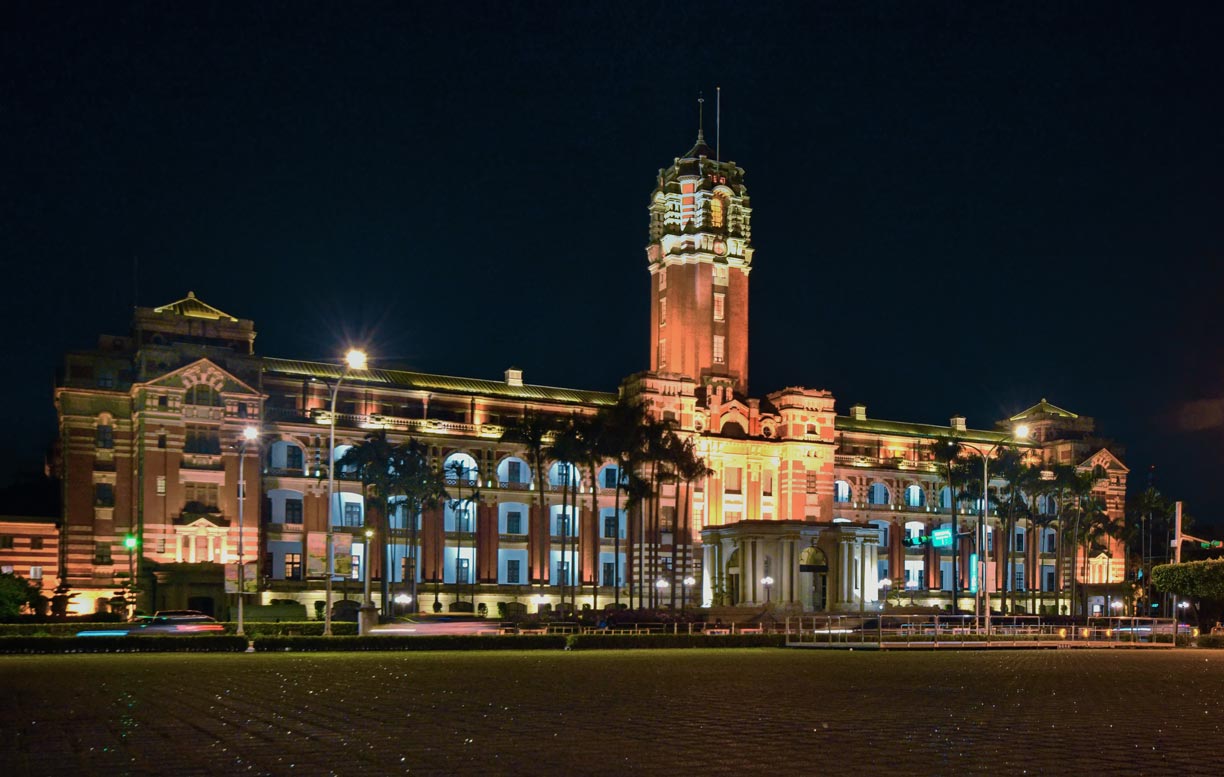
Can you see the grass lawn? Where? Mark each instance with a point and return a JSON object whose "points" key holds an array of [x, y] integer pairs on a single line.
{"points": [[756, 711]]}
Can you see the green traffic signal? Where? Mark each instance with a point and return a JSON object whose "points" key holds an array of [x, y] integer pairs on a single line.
{"points": [[130, 542]]}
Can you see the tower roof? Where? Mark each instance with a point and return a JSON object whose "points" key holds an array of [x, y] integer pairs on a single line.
{"points": [[192, 307], [700, 149], [1043, 408]]}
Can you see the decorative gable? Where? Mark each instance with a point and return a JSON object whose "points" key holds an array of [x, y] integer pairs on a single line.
{"points": [[204, 372]]}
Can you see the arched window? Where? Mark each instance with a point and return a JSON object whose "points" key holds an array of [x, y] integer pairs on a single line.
{"points": [[884, 527], [841, 491], [877, 494], [945, 498], [913, 529], [460, 468], [718, 207], [915, 496], [563, 471], [514, 472]]}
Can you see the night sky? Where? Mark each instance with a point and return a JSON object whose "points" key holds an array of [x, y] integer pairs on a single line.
{"points": [[958, 207]]}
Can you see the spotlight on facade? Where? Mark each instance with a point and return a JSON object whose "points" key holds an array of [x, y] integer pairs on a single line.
{"points": [[660, 584], [403, 599], [249, 433]]}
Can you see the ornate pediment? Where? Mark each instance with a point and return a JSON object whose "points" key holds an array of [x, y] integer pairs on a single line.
{"points": [[1106, 461], [201, 521], [203, 372]]}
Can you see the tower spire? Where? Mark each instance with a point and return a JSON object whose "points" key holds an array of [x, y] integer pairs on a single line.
{"points": [[700, 122]]}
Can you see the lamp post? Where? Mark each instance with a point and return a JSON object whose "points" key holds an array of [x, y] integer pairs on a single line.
{"points": [[353, 360], [365, 565], [686, 582], [249, 435], [1019, 433], [768, 582]]}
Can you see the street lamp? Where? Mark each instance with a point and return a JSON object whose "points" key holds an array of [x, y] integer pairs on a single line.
{"points": [[353, 360], [540, 601], [686, 582], [1020, 432], [249, 434], [768, 582], [365, 566]]}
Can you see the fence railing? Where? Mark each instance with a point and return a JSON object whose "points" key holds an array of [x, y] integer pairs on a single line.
{"points": [[952, 631]]}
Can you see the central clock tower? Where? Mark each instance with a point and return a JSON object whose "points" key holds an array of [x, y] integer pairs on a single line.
{"points": [[699, 257]]}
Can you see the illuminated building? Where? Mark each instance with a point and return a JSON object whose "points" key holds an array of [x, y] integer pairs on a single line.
{"points": [[819, 503]]}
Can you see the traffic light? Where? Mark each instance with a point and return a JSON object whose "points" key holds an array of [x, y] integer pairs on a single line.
{"points": [[1207, 545], [915, 540], [130, 542]]}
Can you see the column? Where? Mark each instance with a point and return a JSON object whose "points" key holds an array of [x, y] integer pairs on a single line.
{"points": [[707, 580]]}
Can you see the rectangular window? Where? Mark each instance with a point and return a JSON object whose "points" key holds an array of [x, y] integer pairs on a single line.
{"points": [[161, 545], [6, 542], [104, 495], [355, 570], [242, 410], [163, 401], [663, 311], [36, 573], [512, 570], [293, 511], [609, 574], [1019, 542], [514, 523], [1018, 576], [462, 565], [609, 479], [201, 496], [719, 302], [105, 436], [1049, 542], [293, 457], [733, 480], [720, 275], [610, 527], [36, 543], [352, 514], [563, 576], [514, 471], [663, 279], [102, 553], [662, 353], [161, 485], [767, 483], [293, 566], [720, 349], [202, 439]]}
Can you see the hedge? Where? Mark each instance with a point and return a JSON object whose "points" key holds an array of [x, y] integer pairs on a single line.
{"points": [[160, 644], [633, 641], [252, 629], [436, 642], [1211, 641]]}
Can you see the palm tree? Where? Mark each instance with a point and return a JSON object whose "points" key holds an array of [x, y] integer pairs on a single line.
{"points": [[658, 436], [637, 491], [945, 452], [418, 486], [589, 452], [566, 449], [461, 507], [689, 469], [532, 432], [621, 426], [371, 459], [1087, 511]]}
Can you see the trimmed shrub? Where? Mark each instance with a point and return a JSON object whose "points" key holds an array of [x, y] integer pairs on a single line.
{"points": [[436, 642], [167, 644], [653, 641], [1211, 641]]}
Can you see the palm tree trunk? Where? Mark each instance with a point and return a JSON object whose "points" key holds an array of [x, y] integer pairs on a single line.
{"points": [[616, 537]]}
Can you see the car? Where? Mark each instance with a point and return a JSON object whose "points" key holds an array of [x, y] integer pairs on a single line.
{"points": [[182, 623]]}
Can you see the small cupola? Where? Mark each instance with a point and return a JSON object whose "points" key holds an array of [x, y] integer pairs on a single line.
{"points": [[958, 423], [514, 377], [858, 412]]}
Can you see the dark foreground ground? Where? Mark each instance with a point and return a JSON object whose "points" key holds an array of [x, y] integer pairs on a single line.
{"points": [[634, 712]]}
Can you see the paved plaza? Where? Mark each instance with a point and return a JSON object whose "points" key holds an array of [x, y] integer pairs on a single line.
{"points": [[605, 713]]}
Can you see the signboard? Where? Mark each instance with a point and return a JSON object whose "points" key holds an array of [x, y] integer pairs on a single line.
{"points": [[973, 573], [342, 554], [231, 578], [250, 580], [316, 554], [941, 538]]}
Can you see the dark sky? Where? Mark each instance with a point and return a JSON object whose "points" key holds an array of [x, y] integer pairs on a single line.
{"points": [[958, 207]]}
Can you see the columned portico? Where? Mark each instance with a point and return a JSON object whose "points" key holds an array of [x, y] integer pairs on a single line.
{"points": [[814, 566]]}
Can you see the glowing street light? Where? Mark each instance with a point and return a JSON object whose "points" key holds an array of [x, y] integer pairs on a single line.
{"points": [[249, 435], [365, 565], [353, 360], [768, 582], [686, 583]]}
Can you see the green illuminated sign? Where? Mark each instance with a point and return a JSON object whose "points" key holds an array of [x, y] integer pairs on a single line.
{"points": [[941, 538]]}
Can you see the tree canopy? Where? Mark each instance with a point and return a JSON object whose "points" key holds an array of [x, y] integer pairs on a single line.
{"points": [[1191, 579]]}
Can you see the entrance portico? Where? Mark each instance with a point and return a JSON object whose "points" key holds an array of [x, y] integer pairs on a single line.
{"points": [[814, 566]]}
